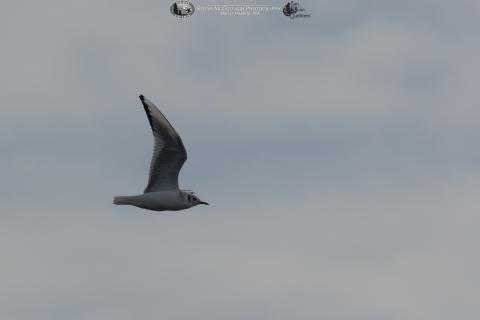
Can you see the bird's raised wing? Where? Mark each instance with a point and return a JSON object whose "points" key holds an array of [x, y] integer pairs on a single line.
{"points": [[169, 153]]}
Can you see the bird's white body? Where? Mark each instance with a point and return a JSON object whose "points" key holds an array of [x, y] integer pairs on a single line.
{"points": [[162, 191], [157, 201]]}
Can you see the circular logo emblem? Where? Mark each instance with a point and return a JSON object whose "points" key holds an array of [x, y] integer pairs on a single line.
{"points": [[290, 9], [182, 9]]}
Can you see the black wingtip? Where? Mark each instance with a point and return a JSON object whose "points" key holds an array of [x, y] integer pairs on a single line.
{"points": [[142, 97]]}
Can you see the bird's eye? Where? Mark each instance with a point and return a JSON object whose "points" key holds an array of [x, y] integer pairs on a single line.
{"points": [[194, 199]]}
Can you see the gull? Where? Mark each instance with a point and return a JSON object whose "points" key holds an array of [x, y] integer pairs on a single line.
{"points": [[162, 192]]}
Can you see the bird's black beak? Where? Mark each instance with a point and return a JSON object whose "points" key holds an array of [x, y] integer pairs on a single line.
{"points": [[205, 203]]}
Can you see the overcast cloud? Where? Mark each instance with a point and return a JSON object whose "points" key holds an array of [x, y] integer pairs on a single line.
{"points": [[339, 155]]}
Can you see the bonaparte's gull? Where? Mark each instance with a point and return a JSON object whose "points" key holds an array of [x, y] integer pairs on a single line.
{"points": [[169, 154]]}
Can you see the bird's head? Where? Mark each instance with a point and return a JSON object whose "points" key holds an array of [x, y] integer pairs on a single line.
{"points": [[193, 199]]}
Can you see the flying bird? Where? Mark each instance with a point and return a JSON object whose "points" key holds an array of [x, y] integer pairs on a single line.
{"points": [[162, 191]]}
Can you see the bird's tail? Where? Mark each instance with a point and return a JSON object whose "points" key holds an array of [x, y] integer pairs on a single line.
{"points": [[121, 200]]}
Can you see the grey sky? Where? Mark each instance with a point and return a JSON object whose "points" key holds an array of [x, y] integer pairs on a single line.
{"points": [[339, 154]]}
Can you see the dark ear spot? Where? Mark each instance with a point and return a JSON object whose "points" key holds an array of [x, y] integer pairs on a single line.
{"points": [[189, 198]]}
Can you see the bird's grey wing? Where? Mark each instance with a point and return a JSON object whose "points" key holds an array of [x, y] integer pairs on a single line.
{"points": [[169, 153]]}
